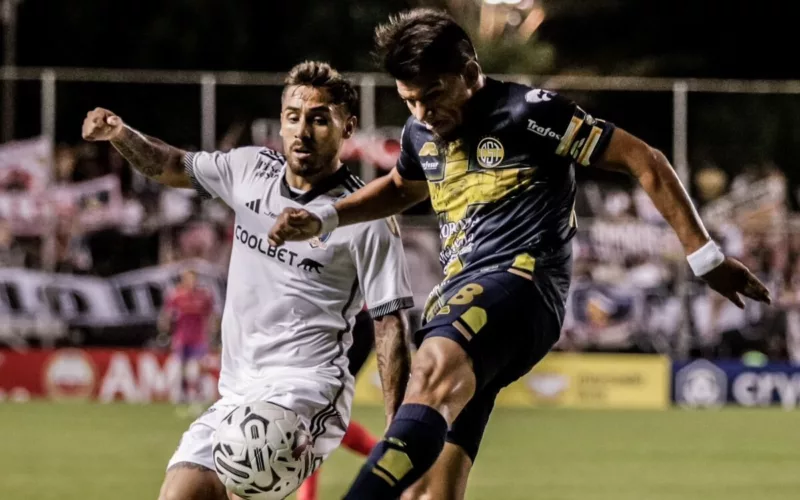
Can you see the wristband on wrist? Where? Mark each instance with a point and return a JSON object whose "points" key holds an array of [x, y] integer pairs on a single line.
{"points": [[328, 216], [705, 258]]}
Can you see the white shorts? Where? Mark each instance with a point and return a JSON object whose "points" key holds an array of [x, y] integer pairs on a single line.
{"points": [[325, 415]]}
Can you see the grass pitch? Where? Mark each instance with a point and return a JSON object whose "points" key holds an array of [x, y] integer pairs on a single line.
{"points": [[99, 452]]}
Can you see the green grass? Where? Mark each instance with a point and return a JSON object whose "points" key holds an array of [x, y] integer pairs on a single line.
{"points": [[88, 452]]}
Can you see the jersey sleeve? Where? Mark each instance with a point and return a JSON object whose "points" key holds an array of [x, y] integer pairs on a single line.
{"points": [[556, 125], [408, 165], [211, 173], [381, 267], [217, 174]]}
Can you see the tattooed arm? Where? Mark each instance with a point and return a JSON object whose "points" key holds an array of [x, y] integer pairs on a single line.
{"points": [[394, 359], [150, 156]]}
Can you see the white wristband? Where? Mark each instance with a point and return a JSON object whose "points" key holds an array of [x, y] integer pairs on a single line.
{"points": [[705, 258], [328, 215]]}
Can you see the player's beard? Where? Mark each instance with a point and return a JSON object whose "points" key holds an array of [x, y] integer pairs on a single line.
{"points": [[450, 131], [310, 166], [447, 135]]}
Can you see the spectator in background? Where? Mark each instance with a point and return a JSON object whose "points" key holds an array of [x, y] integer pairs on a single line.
{"points": [[789, 303], [198, 240], [72, 254], [710, 183], [65, 161], [11, 252], [188, 317]]}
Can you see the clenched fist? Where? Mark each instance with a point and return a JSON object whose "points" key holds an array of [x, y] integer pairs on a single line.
{"points": [[101, 125], [294, 225]]}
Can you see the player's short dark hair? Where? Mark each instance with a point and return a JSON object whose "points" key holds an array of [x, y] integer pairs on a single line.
{"points": [[321, 75], [422, 43]]}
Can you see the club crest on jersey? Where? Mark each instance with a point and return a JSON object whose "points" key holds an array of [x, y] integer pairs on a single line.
{"points": [[490, 152], [320, 241]]}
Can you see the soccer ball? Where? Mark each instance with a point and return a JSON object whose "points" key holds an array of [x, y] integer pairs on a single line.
{"points": [[262, 451]]}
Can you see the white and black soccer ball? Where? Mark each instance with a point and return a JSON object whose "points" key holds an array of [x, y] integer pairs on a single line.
{"points": [[262, 451]]}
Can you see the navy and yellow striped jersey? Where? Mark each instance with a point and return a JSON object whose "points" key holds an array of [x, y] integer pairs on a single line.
{"points": [[504, 191]]}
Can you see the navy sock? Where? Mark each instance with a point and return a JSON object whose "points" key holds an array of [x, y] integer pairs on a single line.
{"points": [[411, 446]]}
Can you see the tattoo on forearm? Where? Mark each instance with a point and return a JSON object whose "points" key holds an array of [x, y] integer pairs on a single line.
{"points": [[392, 353], [146, 154]]}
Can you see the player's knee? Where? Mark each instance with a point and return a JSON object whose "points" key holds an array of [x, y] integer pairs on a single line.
{"points": [[441, 375]]}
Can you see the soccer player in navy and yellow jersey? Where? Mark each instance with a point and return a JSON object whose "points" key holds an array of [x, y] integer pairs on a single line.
{"points": [[498, 162]]}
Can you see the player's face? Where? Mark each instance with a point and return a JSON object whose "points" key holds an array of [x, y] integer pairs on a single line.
{"points": [[438, 102], [313, 129]]}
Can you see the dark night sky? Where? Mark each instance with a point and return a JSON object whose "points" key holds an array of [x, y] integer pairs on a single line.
{"points": [[685, 37]]}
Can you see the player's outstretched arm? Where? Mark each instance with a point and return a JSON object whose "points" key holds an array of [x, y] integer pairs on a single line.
{"points": [[394, 359], [381, 198], [729, 277], [150, 156]]}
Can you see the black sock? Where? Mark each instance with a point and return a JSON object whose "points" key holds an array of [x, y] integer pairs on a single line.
{"points": [[411, 446]]}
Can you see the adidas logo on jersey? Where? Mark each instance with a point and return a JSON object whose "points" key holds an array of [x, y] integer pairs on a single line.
{"points": [[254, 205]]}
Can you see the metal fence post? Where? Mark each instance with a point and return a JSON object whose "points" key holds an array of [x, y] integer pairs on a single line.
{"points": [[680, 138], [48, 111], [680, 155], [208, 112], [368, 111]]}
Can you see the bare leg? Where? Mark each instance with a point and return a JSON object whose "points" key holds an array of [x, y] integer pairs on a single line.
{"points": [[190, 481], [441, 378], [446, 480], [442, 382]]}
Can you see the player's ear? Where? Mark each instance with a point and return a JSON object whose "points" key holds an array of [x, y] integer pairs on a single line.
{"points": [[471, 74], [350, 126]]}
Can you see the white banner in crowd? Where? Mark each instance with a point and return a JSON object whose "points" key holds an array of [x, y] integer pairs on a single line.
{"points": [[26, 165], [618, 239], [29, 297], [93, 205], [758, 205]]}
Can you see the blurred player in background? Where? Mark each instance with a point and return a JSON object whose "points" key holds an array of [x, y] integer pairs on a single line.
{"points": [[188, 318], [286, 326], [357, 438], [498, 162]]}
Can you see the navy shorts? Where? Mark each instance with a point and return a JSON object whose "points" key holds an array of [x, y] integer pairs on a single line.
{"points": [[506, 321]]}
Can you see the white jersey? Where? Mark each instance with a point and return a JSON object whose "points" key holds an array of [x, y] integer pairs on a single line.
{"points": [[289, 310]]}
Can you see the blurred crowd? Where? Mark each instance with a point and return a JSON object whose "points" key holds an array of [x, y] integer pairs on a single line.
{"points": [[133, 222], [94, 216], [633, 292]]}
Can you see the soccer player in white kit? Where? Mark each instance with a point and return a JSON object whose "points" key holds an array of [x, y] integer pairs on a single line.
{"points": [[288, 311]]}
